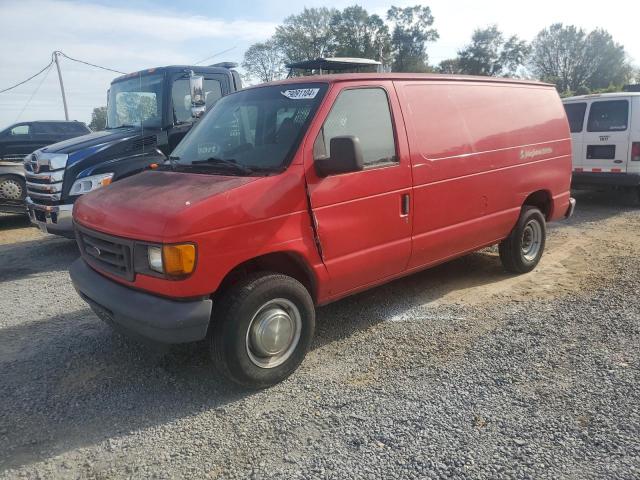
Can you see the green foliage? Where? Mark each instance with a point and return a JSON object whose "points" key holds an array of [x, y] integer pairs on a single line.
{"points": [[264, 61], [98, 119], [577, 61], [358, 34], [411, 32], [306, 35], [489, 54]]}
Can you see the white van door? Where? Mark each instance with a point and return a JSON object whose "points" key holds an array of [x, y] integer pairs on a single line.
{"points": [[606, 140], [576, 112]]}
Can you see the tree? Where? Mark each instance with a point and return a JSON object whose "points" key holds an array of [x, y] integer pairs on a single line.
{"points": [[98, 119], [307, 35], [489, 54], [358, 34], [411, 32], [577, 61], [264, 61]]}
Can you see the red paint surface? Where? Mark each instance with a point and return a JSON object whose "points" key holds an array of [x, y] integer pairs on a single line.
{"points": [[470, 151]]}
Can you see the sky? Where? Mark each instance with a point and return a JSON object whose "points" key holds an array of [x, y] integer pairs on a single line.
{"points": [[133, 35]]}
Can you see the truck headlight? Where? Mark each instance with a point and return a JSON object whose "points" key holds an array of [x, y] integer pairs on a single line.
{"points": [[90, 183], [175, 260]]}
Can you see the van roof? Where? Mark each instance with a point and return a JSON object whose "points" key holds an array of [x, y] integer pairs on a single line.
{"points": [[602, 95], [344, 77]]}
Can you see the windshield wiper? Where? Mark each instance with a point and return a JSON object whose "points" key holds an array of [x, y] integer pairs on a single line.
{"points": [[227, 162], [122, 126]]}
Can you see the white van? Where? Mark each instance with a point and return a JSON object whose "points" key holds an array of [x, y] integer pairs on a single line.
{"points": [[605, 132]]}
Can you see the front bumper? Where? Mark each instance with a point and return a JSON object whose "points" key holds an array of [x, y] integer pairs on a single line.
{"points": [[601, 179], [138, 314], [12, 206], [55, 219]]}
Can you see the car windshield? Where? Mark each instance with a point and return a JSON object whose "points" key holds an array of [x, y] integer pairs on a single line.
{"points": [[252, 131], [136, 101]]}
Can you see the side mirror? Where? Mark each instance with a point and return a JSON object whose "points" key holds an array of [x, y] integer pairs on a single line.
{"points": [[198, 105], [346, 157]]}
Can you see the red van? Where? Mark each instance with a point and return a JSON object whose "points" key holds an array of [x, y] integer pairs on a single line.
{"points": [[297, 193]]}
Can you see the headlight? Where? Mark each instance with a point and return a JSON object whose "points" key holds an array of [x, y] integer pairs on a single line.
{"points": [[175, 260], [154, 255], [88, 184]]}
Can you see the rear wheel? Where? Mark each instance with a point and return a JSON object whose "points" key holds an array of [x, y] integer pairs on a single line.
{"points": [[262, 329], [12, 187], [521, 251]]}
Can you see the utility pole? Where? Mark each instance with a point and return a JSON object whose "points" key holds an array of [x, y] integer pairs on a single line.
{"points": [[64, 98]]}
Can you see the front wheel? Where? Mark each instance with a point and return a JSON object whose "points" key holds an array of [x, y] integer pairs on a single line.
{"points": [[12, 187], [521, 251], [262, 329]]}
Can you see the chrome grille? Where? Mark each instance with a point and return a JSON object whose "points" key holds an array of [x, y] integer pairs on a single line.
{"points": [[105, 252], [44, 179], [11, 157]]}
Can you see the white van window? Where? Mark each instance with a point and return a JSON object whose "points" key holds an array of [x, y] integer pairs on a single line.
{"points": [[575, 115], [363, 113], [608, 116]]}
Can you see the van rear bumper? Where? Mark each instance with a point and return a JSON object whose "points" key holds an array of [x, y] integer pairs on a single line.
{"points": [[597, 179], [138, 314]]}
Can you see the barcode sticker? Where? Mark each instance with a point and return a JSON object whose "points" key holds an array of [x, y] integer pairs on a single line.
{"points": [[301, 93]]}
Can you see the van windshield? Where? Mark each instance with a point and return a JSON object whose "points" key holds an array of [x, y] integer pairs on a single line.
{"points": [[252, 131]]}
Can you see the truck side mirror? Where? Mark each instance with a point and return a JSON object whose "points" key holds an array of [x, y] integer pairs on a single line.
{"points": [[198, 105], [346, 157]]}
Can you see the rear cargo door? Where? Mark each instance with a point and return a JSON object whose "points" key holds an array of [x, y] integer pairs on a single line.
{"points": [[606, 139], [576, 113]]}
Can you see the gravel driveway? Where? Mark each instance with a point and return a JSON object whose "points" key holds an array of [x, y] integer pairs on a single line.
{"points": [[460, 371]]}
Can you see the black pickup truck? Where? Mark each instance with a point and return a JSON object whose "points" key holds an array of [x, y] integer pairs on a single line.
{"points": [[148, 113], [19, 140]]}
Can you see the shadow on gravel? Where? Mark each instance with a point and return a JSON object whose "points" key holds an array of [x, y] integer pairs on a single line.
{"points": [[594, 205], [19, 260], [11, 222], [70, 381]]}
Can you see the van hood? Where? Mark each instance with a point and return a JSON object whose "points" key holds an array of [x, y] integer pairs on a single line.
{"points": [[157, 205]]}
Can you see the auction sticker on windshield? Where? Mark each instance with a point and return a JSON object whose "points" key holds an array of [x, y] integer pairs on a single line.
{"points": [[301, 93]]}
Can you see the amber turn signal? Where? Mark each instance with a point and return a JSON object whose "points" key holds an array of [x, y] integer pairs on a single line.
{"points": [[179, 260]]}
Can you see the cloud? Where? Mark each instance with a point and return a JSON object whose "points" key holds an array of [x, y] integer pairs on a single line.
{"points": [[126, 39]]}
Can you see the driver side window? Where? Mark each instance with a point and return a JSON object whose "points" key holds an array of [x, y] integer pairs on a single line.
{"points": [[20, 130], [363, 113]]}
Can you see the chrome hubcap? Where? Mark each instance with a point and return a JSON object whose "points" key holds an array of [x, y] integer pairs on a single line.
{"points": [[274, 333], [10, 189], [531, 240]]}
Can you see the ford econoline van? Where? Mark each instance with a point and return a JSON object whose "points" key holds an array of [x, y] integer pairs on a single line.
{"points": [[294, 194], [605, 130]]}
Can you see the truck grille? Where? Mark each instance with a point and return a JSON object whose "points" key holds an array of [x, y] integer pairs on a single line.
{"points": [[105, 252], [45, 186]]}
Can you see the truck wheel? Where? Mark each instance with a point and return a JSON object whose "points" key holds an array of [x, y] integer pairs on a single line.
{"points": [[521, 251], [262, 329], [12, 187]]}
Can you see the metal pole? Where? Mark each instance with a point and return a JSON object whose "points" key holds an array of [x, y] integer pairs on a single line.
{"points": [[64, 98]]}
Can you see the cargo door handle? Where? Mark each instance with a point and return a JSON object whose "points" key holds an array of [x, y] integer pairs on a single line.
{"points": [[404, 205]]}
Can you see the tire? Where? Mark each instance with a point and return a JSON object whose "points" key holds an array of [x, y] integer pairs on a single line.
{"points": [[12, 187], [242, 340], [521, 251]]}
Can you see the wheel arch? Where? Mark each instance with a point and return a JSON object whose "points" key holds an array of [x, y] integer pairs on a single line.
{"points": [[289, 263], [541, 199]]}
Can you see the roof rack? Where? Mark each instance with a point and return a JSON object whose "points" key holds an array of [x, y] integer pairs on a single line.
{"points": [[225, 65], [333, 64]]}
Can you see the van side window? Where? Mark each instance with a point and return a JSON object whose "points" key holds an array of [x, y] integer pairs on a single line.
{"points": [[575, 115], [608, 116], [364, 113]]}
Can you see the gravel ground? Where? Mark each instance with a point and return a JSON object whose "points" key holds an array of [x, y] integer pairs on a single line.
{"points": [[461, 371]]}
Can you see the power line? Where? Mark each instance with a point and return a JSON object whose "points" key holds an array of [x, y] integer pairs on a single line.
{"points": [[88, 63], [30, 78], [34, 92], [216, 54]]}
